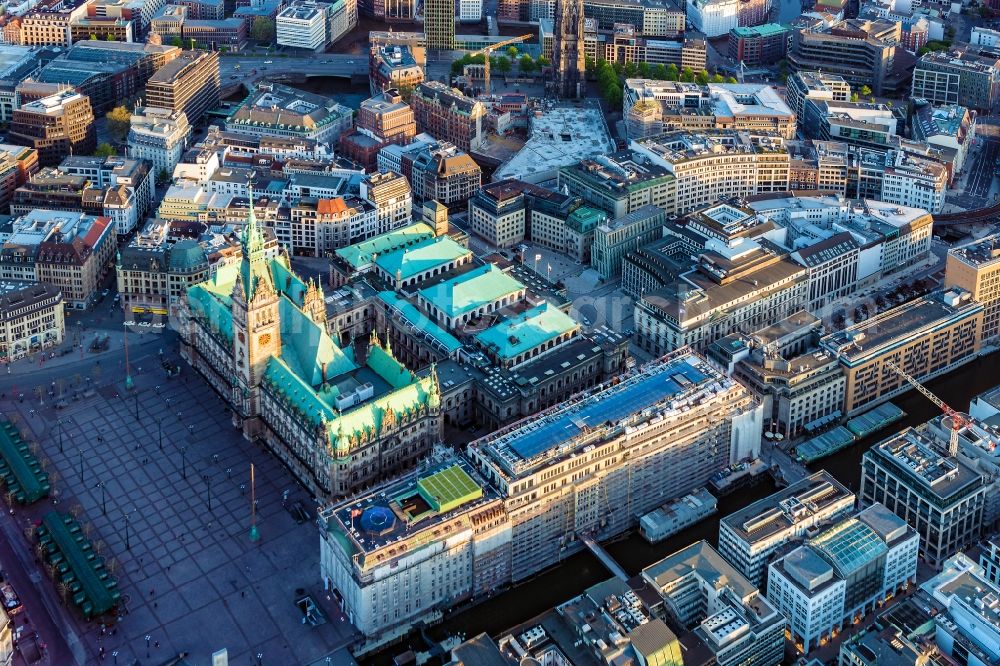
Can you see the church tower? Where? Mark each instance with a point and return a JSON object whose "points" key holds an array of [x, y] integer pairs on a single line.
{"points": [[567, 49], [256, 318]]}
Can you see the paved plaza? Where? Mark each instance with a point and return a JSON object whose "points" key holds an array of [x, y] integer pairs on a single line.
{"points": [[167, 495]]}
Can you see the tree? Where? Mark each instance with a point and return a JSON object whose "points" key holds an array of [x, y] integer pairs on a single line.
{"points": [[866, 91], [178, 42], [702, 77], [162, 176], [105, 150], [631, 69], [731, 79], [503, 65], [542, 62], [119, 119], [93, 37], [854, 97], [687, 76], [512, 52], [718, 78], [590, 65], [526, 64], [660, 72], [110, 37], [262, 30], [672, 72], [645, 70]]}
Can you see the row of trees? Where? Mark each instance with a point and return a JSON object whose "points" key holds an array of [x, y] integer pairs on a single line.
{"points": [[503, 64], [610, 77]]}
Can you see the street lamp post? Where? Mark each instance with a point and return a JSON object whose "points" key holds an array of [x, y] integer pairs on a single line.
{"points": [[159, 431], [81, 464], [128, 544], [208, 490], [59, 423], [184, 473], [147, 646], [104, 498], [137, 406]]}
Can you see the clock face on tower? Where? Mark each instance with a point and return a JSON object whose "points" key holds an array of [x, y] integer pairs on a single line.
{"points": [[264, 339]]}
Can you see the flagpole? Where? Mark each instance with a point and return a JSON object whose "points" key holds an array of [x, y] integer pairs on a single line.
{"points": [[254, 533]]}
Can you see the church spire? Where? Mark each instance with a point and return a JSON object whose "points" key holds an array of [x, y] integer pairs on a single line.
{"points": [[253, 266]]}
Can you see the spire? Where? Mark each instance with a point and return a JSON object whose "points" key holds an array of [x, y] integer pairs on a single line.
{"points": [[434, 394], [252, 238]]}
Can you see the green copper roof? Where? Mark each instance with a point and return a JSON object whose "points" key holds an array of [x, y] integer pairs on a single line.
{"points": [[467, 292], [766, 30], [526, 331], [307, 348], [215, 308], [187, 254], [388, 368], [420, 321], [361, 254], [585, 219], [406, 262]]}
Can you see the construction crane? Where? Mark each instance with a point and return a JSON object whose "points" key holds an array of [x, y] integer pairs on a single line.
{"points": [[958, 420], [489, 50]]}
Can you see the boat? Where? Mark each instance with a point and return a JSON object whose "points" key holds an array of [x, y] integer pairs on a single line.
{"points": [[674, 516]]}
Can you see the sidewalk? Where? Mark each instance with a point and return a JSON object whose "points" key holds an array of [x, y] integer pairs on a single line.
{"points": [[116, 345]]}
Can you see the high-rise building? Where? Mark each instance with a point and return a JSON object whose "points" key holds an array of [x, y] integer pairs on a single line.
{"points": [[55, 126], [189, 83], [939, 495], [568, 50], [159, 136], [439, 24]]}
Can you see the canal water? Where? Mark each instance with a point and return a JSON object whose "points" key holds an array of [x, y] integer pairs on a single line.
{"points": [[789, 9], [570, 577]]}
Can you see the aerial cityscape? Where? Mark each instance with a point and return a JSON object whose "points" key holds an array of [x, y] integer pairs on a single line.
{"points": [[500, 332]]}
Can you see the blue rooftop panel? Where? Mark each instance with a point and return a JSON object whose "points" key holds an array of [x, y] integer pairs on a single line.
{"points": [[613, 406]]}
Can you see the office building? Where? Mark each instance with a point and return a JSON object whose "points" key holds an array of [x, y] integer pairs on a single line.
{"points": [[837, 577], [964, 74], [613, 239], [925, 337], [989, 558], [439, 24], [626, 45], [55, 126], [276, 110], [940, 496], [390, 195], [950, 127], [188, 83], [722, 106], [713, 18], [862, 52], [159, 136], [313, 25], [568, 49], [17, 165], [806, 85], [443, 173], [750, 537], [128, 186], [382, 120], [70, 251], [31, 320], [726, 613], [975, 268], [967, 626], [497, 212], [448, 115], [393, 66], [759, 46], [619, 183], [509, 514], [717, 165], [156, 268], [242, 328]]}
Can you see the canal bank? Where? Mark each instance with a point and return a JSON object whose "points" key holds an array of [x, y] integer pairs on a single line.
{"points": [[579, 571]]}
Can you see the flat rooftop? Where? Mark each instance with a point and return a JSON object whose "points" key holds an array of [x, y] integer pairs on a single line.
{"points": [[981, 253], [705, 562], [787, 507], [560, 136], [658, 388], [918, 456], [859, 342]]}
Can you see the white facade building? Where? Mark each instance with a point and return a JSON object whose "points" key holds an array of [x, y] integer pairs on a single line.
{"points": [[470, 11], [714, 17], [302, 26], [749, 537], [969, 629], [159, 136], [984, 36], [842, 574]]}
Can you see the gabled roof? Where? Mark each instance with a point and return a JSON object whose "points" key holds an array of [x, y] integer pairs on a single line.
{"points": [[527, 330], [466, 292], [407, 262]]}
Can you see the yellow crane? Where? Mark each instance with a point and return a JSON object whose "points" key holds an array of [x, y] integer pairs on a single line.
{"points": [[489, 50], [956, 420]]}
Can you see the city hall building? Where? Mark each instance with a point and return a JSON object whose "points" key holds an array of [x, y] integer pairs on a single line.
{"points": [[340, 420]]}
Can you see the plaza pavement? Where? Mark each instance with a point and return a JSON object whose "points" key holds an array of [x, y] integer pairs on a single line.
{"points": [[190, 576]]}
